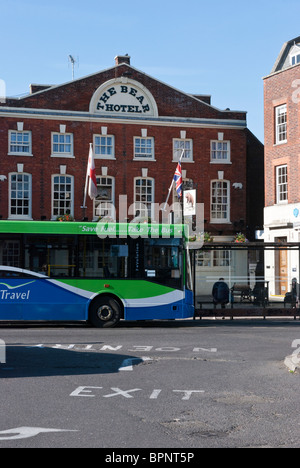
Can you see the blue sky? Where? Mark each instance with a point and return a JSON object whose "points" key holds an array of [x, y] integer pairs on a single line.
{"points": [[221, 48]]}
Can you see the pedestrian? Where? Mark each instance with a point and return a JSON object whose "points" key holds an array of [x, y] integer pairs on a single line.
{"points": [[220, 293]]}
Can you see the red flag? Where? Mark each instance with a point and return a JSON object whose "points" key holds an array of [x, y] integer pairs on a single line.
{"points": [[92, 175]]}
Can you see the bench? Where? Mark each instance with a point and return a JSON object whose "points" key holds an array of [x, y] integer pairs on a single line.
{"points": [[243, 291]]}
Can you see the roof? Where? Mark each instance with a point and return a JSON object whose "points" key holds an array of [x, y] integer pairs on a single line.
{"points": [[283, 59], [76, 95]]}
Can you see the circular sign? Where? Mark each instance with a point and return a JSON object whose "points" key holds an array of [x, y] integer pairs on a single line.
{"points": [[123, 96]]}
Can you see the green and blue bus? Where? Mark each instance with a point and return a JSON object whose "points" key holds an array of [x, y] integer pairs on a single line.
{"points": [[96, 272]]}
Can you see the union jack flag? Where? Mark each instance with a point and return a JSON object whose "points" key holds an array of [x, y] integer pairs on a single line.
{"points": [[178, 180]]}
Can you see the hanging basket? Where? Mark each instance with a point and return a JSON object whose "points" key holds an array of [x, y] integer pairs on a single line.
{"points": [[208, 237], [240, 238], [65, 218]]}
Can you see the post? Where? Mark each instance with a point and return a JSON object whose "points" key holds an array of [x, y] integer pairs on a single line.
{"points": [[171, 186], [2, 352]]}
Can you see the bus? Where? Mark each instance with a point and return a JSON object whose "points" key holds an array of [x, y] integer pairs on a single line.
{"points": [[96, 272]]}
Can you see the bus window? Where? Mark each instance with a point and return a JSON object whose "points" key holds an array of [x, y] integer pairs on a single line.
{"points": [[102, 258], [92, 257], [51, 255], [10, 252], [163, 261]]}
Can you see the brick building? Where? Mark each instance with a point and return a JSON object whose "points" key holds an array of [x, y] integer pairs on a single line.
{"points": [[138, 126], [282, 164]]}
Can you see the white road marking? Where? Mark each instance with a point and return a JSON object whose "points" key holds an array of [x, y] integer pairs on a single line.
{"points": [[127, 364], [26, 432]]}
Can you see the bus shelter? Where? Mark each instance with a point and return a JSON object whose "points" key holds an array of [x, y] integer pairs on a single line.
{"points": [[262, 278]]}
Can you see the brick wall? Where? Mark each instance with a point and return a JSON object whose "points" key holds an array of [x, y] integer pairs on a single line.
{"points": [[76, 96], [124, 169], [282, 88]]}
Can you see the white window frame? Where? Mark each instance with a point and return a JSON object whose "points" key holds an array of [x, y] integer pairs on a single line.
{"points": [[183, 143], [139, 205], [101, 148], [281, 184], [141, 150], [280, 124], [62, 154], [295, 59], [218, 153], [18, 192], [102, 206], [214, 259], [19, 145], [218, 204], [56, 210]]}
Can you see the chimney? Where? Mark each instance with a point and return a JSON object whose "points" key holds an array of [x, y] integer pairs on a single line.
{"points": [[122, 59], [34, 88]]}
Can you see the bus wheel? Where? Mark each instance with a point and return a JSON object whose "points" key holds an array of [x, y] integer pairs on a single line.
{"points": [[105, 312]]}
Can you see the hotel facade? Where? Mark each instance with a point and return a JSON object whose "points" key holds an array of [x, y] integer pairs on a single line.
{"points": [[138, 127]]}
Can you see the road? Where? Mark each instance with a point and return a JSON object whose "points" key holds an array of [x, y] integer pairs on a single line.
{"points": [[156, 385]]}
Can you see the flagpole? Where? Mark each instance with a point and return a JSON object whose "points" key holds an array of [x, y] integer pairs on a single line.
{"points": [[86, 184], [171, 186]]}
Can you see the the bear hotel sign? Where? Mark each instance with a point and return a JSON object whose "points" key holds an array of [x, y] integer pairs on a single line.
{"points": [[123, 96]]}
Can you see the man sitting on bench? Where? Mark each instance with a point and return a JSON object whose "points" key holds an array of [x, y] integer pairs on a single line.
{"points": [[220, 293]]}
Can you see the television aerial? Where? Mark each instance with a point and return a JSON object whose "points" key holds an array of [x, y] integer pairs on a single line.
{"points": [[72, 60]]}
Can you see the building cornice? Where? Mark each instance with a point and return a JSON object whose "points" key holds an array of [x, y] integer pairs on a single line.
{"points": [[280, 71], [48, 114]]}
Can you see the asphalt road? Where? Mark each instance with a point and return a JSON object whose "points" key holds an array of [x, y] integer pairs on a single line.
{"points": [[171, 385]]}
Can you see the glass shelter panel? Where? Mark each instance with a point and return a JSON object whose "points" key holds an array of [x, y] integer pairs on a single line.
{"points": [[263, 275]]}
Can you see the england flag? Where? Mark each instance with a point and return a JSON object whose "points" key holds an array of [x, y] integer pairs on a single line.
{"points": [[92, 175]]}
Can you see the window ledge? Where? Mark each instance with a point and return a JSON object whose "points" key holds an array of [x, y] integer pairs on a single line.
{"points": [[220, 162], [182, 161], [105, 158], [62, 155], [144, 159], [221, 221], [20, 154], [20, 218]]}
